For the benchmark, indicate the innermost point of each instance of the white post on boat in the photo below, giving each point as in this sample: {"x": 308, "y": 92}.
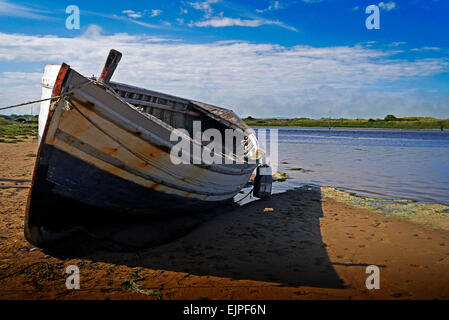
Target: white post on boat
{"x": 48, "y": 81}
{"x": 110, "y": 65}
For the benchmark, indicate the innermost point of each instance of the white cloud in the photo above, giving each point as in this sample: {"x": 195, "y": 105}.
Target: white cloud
{"x": 397, "y": 43}
{"x": 274, "y": 5}
{"x": 132, "y": 14}
{"x": 137, "y": 15}
{"x": 93, "y": 31}
{"x": 387, "y": 6}
{"x": 155, "y": 12}
{"x": 426, "y": 49}
{"x": 219, "y": 22}
{"x": 204, "y": 6}
{"x": 14, "y": 78}
{"x": 14, "y": 84}
{"x": 253, "y": 79}
{"x": 126, "y": 19}
{"x": 15, "y": 95}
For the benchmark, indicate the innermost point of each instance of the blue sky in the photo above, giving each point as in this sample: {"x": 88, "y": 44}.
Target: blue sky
{"x": 262, "y": 58}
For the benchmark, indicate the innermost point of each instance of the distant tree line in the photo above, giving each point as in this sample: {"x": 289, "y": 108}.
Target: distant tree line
{"x": 390, "y": 121}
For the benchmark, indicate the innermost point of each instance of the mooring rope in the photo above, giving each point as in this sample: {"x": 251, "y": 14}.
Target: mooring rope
{"x": 51, "y": 98}
{"x": 31, "y": 102}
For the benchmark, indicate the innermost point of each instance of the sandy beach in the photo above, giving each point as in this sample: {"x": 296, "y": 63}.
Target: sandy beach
{"x": 307, "y": 243}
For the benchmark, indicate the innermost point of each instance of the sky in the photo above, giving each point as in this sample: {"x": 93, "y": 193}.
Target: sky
{"x": 292, "y": 58}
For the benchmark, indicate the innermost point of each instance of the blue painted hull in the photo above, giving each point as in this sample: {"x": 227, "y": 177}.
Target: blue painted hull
{"x": 66, "y": 187}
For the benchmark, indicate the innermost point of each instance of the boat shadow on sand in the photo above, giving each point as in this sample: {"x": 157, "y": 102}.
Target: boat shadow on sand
{"x": 251, "y": 242}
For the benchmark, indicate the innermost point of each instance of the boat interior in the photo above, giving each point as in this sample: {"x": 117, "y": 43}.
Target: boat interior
{"x": 180, "y": 113}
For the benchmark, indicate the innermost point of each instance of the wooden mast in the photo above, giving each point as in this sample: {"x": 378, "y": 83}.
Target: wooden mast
{"x": 110, "y": 65}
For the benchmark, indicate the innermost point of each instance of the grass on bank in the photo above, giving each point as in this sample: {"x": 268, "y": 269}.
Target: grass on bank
{"x": 13, "y": 131}
{"x": 389, "y": 122}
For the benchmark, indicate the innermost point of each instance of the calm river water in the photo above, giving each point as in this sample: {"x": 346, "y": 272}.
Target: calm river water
{"x": 381, "y": 163}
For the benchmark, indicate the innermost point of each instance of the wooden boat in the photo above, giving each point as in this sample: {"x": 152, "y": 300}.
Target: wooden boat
{"x": 107, "y": 146}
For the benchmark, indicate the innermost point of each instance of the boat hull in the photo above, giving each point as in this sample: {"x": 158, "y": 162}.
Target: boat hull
{"x": 100, "y": 152}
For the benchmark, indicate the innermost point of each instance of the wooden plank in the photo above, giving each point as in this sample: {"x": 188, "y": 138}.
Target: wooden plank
{"x": 159, "y": 106}
{"x": 133, "y": 89}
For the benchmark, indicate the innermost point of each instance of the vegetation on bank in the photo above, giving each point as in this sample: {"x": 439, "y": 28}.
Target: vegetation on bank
{"x": 15, "y": 131}
{"x": 389, "y": 122}
{"x": 432, "y": 215}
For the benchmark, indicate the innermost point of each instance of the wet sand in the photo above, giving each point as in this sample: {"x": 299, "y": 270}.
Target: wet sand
{"x": 301, "y": 244}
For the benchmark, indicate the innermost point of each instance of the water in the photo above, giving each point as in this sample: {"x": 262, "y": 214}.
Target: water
{"x": 391, "y": 164}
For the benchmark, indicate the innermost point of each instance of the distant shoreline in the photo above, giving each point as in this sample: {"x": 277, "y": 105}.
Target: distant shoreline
{"x": 389, "y": 122}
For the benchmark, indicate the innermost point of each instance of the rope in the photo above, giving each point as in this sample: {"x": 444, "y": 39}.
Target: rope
{"x": 55, "y": 97}
{"x": 31, "y": 102}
